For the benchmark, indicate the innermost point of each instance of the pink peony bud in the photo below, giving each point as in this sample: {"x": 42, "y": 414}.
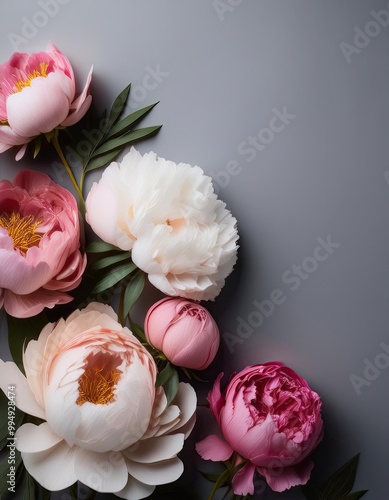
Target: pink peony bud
{"x": 184, "y": 331}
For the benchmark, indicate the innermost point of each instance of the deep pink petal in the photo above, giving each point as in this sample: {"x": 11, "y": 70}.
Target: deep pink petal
{"x": 243, "y": 480}
{"x": 215, "y": 398}
{"x": 214, "y": 448}
{"x": 281, "y": 479}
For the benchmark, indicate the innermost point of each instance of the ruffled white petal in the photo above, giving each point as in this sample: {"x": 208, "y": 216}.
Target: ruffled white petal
{"x": 156, "y": 473}
{"x": 103, "y": 472}
{"x": 54, "y": 468}
{"x": 36, "y": 438}
{"x": 155, "y": 449}
{"x": 135, "y": 490}
{"x": 10, "y": 375}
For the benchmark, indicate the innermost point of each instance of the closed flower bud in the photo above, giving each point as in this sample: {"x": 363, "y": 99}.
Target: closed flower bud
{"x": 184, "y": 331}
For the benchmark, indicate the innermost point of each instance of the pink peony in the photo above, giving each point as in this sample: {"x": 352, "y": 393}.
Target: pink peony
{"x": 105, "y": 423}
{"x": 184, "y": 331}
{"x": 37, "y": 94}
{"x": 270, "y": 419}
{"x": 40, "y": 256}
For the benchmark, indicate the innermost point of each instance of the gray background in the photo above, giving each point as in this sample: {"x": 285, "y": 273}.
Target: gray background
{"x": 222, "y": 72}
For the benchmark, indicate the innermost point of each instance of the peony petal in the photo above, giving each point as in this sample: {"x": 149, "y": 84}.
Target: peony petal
{"x": 215, "y": 398}
{"x": 101, "y": 212}
{"x": 40, "y": 107}
{"x": 54, "y": 468}
{"x": 163, "y": 472}
{"x": 135, "y": 490}
{"x": 243, "y": 480}
{"x": 10, "y": 375}
{"x": 214, "y": 448}
{"x": 9, "y": 137}
{"x": 25, "y": 306}
{"x": 282, "y": 478}
{"x": 36, "y": 438}
{"x": 186, "y": 400}
{"x": 155, "y": 449}
{"x": 103, "y": 472}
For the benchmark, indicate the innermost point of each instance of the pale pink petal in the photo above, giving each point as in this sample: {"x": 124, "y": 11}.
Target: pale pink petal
{"x": 25, "y": 306}
{"x": 135, "y": 490}
{"x": 21, "y": 152}
{"x": 77, "y": 115}
{"x": 81, "y": 104}
{"x": 156, "y": 473}
{"x": 54, "y": 468}
{"x": 243, "y": 480}
{"x": 62, "y": 63}
{"x": 40, "y": 107}
{"x": 103, "y": 472}
{"x": 101, "y": 212}
{"x": 214, "y": 448}
{"x": 281, "y": 479}
{"x": 36, "y": 438}
{"x": 10, "y": 375}
{"x": 155, "y": 449}
{"x": 17, "y": 275}
{"x": 9, "y": 137}
{"x": 34, "y": 356}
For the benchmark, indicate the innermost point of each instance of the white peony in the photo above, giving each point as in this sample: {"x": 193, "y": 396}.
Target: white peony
{"x": 168, "y": 215}
{"x": 105, "y": 423}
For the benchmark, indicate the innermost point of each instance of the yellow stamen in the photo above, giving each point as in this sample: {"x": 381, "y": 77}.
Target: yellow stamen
{"x": 26, "y": 83}
{"x": 97, "y": 383}
{"x": 22, "y": 230}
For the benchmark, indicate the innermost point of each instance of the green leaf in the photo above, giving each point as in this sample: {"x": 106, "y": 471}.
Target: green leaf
{"x": 109, "y": 261}
{"x": 102, "y": 160}
{"x": 355, "y": 496}
{"x": 100, "y": 247}
{"x": 114, "y": 276}
{"x": 311, "y": 491}
{"x": 138, "y": 332}
{"x": 28, "y": 487}
{"x": 168, "y": 379}
{"x": 21, "y": 331}
{"x": 46, "y": 494}
{"x": 124, "y": 140}
{"x": 124, "y": 125}
{"x": 5, "y": 419}
{"x": 5, "y": 468}
{"x": 211, "y": 476}
{"x": 133, "y": 291}
{"x": 341, "y": 481}
{"x": 37, "y": 146}
{"x": 118, "y": 106}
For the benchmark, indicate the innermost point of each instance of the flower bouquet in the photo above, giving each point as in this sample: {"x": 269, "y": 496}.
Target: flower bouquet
{"x": 97, "y": 401}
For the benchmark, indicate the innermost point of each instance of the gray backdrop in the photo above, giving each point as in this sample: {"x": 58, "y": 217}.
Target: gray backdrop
{"x": 285, "y": 105}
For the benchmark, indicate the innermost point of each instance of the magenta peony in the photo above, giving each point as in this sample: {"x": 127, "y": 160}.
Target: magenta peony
{"x": 184, "y": 331}
{"x": 40, "y": 257}
{"x": 37, "y": 94}
{"x": 270, "y": 420}
{"x": 105, "y": 423}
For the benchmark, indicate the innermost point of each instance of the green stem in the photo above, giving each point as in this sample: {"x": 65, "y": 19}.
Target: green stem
{"x": 58, "y": 148}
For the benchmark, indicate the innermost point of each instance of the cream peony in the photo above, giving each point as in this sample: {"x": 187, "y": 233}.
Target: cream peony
{"x": 168, "y": 215}
{"x": 105, "y": 423}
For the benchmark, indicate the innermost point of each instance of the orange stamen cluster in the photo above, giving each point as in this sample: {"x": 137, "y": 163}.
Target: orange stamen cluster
{"x": 96, "y": 385}
{"x": 22, "y": 230}
{"x": 26, "y": 83}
